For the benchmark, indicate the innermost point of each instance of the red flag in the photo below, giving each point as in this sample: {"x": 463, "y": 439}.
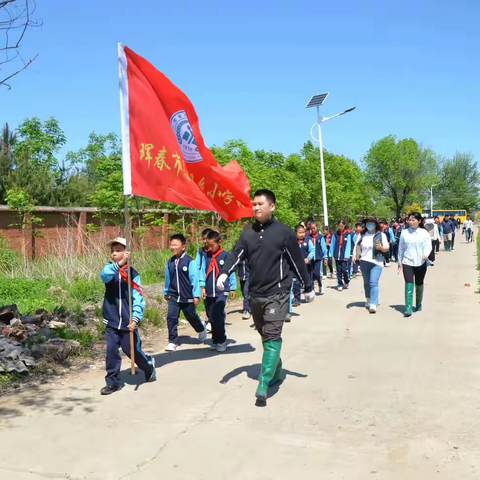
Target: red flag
{"x": 163, "y": 153}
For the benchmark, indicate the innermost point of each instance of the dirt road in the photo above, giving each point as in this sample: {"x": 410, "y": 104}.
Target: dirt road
{"x": 376, "y": 397}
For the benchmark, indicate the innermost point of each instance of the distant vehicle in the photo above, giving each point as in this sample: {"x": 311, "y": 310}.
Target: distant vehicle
{"x": 456, "y": 213}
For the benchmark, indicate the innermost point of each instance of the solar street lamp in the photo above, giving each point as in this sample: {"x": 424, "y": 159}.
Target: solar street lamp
{"x": 317, "y": 101}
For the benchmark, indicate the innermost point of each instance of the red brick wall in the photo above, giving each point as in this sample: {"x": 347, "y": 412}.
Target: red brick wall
{"x": 72, "y": 233}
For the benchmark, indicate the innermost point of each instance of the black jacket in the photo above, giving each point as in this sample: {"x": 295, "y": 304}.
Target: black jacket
{"x": 273, "y": 258}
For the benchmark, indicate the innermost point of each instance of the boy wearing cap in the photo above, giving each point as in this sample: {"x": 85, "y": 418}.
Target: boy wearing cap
{"x": 116, "y": 316}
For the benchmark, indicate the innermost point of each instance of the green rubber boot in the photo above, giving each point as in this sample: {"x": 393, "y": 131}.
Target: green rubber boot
{"x": 419, "y": 297}
{"x": 408, "y": 299}
{"x": 278, "y": 373}
{"x": 270, "y": 360}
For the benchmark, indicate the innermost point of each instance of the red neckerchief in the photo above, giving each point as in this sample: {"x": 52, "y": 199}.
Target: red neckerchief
{"x": 213, "y": 263}
{"x": 384, "y": 228}
{"x": 124, "y": 275}
{"x": 313, "y": 236}
{"x": 328, "y": 239}
{"x": 341, "y": 238}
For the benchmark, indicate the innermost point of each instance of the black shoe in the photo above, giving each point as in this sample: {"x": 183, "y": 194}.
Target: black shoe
{"x": 296, "y": 304}
{"x": 288, "y": 317}
{"x": 153, "y": 375}
{"x": 109, "y": 389}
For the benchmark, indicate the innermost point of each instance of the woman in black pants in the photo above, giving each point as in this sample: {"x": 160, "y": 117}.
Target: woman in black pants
{"x": 414, "y": 248}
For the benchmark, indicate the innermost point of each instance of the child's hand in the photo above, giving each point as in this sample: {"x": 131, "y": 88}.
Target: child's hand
{"x": 196, "y": 301}
{"x": 307, "y": 260}
{"x": 232, "y": 294}
{"x": 126, "y": 256}
{"x": 132, "y": 326}
{"x": 165, "y": 297}
{"x": 204, "y": 294}
{"x": 325, "y": 261}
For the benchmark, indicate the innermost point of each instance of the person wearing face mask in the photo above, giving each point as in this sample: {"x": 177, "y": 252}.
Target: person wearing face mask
{"x": 413, "y": 251}
{"x": 369, "y": 251}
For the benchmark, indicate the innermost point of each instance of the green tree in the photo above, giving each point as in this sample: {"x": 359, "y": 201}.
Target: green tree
{"x": 399, "y": 169}
{"x": 458, "y": 183}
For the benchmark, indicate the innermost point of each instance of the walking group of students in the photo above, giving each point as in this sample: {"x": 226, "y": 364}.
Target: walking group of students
{"x": 275, "y": 265}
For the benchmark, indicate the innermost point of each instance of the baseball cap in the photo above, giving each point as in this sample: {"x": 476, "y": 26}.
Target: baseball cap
{"x": 119, "y": 240}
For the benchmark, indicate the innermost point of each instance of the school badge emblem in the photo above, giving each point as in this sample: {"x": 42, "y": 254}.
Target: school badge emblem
{"x": 184, "y": 134}
{"x": 184, "y": 269}
{"x": 222, "y": 262}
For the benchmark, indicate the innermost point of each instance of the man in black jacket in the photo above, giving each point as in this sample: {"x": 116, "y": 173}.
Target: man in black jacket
{"x": 273, "y": 259}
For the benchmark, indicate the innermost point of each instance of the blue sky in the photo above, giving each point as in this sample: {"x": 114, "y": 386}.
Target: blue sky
{"x": 411, "y": 68}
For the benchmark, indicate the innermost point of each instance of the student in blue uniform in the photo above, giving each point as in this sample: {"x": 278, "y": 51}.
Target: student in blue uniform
{"x": 308, "y": 253}
{"x": 340, "y": 250}
{"x": 243, "y": 275}
{"x": 182, "y": 291}
{"x": 116, "y": 316}
{"x": 216, "y": 300}
{"x": 199, "y": 261}
{"x": 327, "y": 235}
{"x": 397, "y": 233}
{"x": 389, "y": 234}
{"x": 359, "y": 229}
{"x": 319, "y": 255}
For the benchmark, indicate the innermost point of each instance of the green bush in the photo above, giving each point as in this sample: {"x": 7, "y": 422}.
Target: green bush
{"x": 153, "y": 315}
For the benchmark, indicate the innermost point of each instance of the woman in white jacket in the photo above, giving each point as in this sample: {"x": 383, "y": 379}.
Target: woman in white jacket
{"x": 413, "y": 250}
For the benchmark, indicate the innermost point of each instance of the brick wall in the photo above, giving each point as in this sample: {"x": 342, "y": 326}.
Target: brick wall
{"x": 76, "y": 232}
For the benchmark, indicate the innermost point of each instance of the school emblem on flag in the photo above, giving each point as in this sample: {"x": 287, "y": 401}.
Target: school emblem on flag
{"x": 183, "y": 131}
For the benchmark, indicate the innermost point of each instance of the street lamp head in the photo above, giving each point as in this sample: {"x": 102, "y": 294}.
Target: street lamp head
{"x": 349, "y": 109}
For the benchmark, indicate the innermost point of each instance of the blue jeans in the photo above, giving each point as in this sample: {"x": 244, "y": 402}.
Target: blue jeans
{"x": 371, "y": 276}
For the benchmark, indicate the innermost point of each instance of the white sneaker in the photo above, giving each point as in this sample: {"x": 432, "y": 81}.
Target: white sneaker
{"x": 321, "y": 290}
{"x": 221, "y": 347}
{"x": 202, "y": 336}
{"x": 372, "y": 309}
{"x": 387, "y": 264}
{"x": 346, "y": 286}
{"x": 246, "y": 315}
{"x": 208, "y": 327}
{"x": 171, "y": 347}
{"x": 339, "y": 289}
{"x": 324, "y": 276}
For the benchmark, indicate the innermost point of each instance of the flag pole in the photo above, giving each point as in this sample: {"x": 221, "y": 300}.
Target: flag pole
{"x": 129, "y": 279}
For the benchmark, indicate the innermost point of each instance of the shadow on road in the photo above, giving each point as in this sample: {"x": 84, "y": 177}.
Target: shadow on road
{"x": 398, "y": 308}
{"x": 356, "y": 305}
{"x": 40, "y": 398}
{"x": 163, "y": 359}
{"x": 253, "y": 371}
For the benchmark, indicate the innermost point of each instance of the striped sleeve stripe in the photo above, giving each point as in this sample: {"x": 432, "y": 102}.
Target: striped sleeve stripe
{"x": 295, "y": 265}
{"x": 236, "y": 263}
{"x": 116, "y": 266}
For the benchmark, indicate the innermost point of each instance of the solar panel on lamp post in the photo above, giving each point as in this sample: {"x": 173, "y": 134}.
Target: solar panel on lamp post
{"x": 317, "y": 101}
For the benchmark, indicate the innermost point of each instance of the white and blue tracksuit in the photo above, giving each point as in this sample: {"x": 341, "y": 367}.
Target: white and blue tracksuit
{"x": 116, "y": 316}
{"x": 217, "y": 299}
{"x": 341, "y": 250}
{"x": 315, "y": 267}
{"x": 182, "y": 285}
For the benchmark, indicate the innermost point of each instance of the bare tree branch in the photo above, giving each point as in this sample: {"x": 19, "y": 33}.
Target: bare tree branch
{"x": 3, "y": 82}
{"x": 15, "y": 19}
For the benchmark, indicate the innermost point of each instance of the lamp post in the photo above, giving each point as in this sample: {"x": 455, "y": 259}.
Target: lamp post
{"x": 431, "y": 198}
{"x": 317, "y": 101}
